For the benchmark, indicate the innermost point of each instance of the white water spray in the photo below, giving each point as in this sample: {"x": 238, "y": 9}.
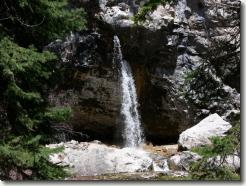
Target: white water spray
{"x": 132, "y": 133}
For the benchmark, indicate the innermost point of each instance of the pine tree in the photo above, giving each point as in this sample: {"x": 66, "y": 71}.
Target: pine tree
{"x": 25, "y": 74}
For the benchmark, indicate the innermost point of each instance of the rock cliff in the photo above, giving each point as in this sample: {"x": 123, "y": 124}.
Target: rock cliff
{"x": 163, "y": 50}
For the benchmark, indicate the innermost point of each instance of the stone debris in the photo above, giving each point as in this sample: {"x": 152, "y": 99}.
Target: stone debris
{"x": 182, "y": 160}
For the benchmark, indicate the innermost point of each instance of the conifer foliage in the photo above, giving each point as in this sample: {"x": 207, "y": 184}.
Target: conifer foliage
{"x": 213, "y": 164}
{"x": 26, "y": 26}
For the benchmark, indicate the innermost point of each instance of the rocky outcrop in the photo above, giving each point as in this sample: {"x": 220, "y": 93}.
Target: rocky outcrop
{"x": 95, "y": 158}
{"x": 153, "y": 61}
{"x": 163, "y": 16}
{"x": 85, "y": 160}
{"x": 163, "y": 52}
{"x": 89, "y": 85}
{"x": 199, "y": 134}
{"x": 170, "y": 45}
{"x": 115, "y": 13}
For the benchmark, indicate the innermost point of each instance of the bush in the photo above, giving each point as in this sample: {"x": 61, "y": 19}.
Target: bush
{"x": 147, "y": 7}
{"x": 209, "y": 167}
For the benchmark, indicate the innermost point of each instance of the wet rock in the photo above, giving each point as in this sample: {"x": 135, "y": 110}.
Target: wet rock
{"x": 159, "y": 164}
{"x": 169, "y": 45}
{"x": 183, "y": 160}
{"x": 199, "y": 134}
{"x": 161, "y": 167}
{"x": 94, "y": 94}
{"x": 90, "y": 86}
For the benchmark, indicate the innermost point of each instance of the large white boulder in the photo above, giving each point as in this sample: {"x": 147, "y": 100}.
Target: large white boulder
{"x": 199, "y": 134}
{"x": 93, "y": 158}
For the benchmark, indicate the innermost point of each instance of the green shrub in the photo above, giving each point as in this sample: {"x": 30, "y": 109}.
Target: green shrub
{"x": 58, "y": 114}
{"x": 208, "y": 168}
{"x": 147, "y": 7}
{"x": 23, "y": 73}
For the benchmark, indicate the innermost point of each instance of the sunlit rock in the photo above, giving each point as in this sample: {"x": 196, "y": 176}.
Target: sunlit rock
{"x": 87, "y": 159}
{"x": 199, "y": 134}
{"x": 183, "y": 160}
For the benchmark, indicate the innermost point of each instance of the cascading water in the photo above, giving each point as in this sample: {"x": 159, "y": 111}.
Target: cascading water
{"x": 132, "y": 132}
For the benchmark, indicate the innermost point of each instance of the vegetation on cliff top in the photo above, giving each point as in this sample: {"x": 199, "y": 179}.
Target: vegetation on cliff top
{"x": 25, "y": 74}
{"x": 147, "y": 7}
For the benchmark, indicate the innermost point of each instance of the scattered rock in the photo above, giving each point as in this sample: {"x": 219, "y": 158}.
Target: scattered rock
{"x": 179, "y": 173}
{"x": 163, "y": 150}
{"x": 96, "y": 142}
{"x": 161, "y": 168}
{"x": 232, "y": 162}
{"x": 15, "y": 175}
{"x": 182, "y": 160}
{"x": 27, "y": 172}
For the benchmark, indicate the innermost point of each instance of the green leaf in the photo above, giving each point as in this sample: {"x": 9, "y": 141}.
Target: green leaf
{"x": 58, "y": 114}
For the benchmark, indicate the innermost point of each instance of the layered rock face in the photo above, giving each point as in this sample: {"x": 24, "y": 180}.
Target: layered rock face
{"x": 90, "y": 85}
{"x": 162, "y": 51}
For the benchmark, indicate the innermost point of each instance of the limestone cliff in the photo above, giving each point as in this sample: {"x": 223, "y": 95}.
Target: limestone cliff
{"x": 163, "y": 50}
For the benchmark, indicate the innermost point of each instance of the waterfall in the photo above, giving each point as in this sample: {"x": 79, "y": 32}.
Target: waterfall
{"x": 132, "y": 132}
